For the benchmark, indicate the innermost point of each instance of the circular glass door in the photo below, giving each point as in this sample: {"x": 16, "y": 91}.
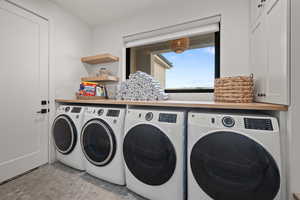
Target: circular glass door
{"x": 64, "y": 134}
{"x": 149, "y": 154}
{"x": 228, "y": 165}
{"x": 98, "y": 142}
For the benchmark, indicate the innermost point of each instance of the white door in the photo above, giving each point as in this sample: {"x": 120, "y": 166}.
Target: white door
{"x": 24, "y": 83}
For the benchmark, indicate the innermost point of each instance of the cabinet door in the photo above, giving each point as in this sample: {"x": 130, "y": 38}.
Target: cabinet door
{"x": 259, "y": 59}
{"x": 277, "y": 90}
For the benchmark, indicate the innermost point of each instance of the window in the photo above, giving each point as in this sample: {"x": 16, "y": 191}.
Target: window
{"x": 192, "y": 71}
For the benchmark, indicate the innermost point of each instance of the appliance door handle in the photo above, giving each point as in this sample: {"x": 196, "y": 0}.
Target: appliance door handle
{"x": 43, "y": 111}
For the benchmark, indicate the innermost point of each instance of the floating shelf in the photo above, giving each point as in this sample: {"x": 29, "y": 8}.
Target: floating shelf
{"x": 100, "y": 79}
{"x": 100, "y": 59}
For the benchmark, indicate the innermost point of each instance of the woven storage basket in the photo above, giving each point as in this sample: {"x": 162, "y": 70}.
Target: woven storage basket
{"x": 239, "y": 89}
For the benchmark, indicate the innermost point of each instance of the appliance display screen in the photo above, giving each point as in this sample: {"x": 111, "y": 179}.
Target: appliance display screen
{"x": 258, "y": 124}
{"x": 113, "y": 113}
{"x": 76, "y": 110}
{"x": 169, "y": 118}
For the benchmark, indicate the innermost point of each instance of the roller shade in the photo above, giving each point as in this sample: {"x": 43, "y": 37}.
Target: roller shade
{"x": 197, "y": 27}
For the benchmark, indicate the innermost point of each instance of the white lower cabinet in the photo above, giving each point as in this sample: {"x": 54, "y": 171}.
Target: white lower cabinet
{"x": 269, "y": 53}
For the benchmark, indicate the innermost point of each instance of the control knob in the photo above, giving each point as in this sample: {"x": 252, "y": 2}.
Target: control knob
{"x": 149, "y": 116}
{"x": 100, "y": 112}
{"x": 67, "y": 109}
{"x": 228, "y": 122}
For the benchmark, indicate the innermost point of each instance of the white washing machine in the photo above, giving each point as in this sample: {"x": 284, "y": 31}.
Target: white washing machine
{"x": 102, "y": 142}
{"x": 66, "y": 129}
{"x": 154, "y": 153}
{"x": 234, "y": 156}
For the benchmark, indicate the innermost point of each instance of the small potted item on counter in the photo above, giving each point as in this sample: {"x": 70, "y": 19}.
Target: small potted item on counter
{"x": 101, "y": 91}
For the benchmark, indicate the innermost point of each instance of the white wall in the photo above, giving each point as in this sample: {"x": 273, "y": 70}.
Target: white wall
{"x": 70, "y": 39}
{"x": 234, "y": 29}
{"x": 294, "y": 110}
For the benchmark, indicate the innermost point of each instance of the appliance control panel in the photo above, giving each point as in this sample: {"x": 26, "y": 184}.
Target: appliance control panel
{"x": 166, "y": 117}
{"x": 94, "y": 111}
{"x": 69, "y": 109}
{"x": 113, "y": 113}
{"x": 258, "y": 124}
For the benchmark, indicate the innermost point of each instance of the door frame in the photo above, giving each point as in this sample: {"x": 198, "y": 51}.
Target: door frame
{"x": 42, "y": 13}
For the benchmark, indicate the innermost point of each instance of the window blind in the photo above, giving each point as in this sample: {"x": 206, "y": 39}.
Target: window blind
{"x": 189, "y": 29}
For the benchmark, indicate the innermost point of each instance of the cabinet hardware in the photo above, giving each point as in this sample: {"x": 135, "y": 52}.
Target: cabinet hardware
{"x": 260, "y": 5}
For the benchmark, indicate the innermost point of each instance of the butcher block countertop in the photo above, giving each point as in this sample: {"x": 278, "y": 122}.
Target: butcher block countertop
{"x": 184, "y": 104}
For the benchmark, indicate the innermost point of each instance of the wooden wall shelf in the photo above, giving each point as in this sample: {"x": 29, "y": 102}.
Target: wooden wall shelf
{"x": 184, "y": 104}
{"x": 100, "y": 79}
{"x": 100, "y": 59}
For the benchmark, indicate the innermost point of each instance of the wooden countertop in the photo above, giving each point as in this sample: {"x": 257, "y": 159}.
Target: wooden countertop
{"x": 184, "y": 104}
{"x": 297, "y": 196}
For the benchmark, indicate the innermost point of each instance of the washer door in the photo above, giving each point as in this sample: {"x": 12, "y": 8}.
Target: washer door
{"x": 228, "y": 165}
{"x": 98, "y": 142}
{"x": 64, "y": 134}
{"x": 149, "y": 154}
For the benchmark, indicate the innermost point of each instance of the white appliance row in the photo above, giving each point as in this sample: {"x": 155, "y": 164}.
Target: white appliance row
{"x": 171, "y": 155}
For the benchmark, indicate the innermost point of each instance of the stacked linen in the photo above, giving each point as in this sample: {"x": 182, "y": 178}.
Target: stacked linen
{"x": 141, "y": 87}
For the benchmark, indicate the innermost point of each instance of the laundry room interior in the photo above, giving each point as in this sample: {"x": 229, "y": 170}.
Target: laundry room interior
{"x": 145, "y": 99}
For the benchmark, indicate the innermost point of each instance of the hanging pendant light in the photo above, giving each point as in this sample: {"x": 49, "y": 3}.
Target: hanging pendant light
{"x": 180, "y": 45}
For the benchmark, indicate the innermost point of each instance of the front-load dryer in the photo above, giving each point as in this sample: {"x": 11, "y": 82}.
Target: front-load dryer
{"x": 234, "y": 156}
{"x": 102, "y": 142}
{"x": 154, "y": 153}
{"x": 66, "y": 129}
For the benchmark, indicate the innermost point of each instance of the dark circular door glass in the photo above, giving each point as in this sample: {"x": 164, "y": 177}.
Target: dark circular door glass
{"x": 149, "y": 154}
{"x": 228, "y": 165}
{"x": 98, "y": 142}
{"x": 64, "y": 134}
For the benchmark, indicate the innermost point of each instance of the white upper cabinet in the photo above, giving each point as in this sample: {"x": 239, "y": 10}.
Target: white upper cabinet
{"x": 269, "y": 52}
{"x": 278, "y": 63}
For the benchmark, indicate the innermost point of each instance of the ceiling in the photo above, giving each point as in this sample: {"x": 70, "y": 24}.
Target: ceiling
{"x": 95, "y": 12}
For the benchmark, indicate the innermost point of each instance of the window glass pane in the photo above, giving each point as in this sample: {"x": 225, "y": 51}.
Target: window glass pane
{"x": 192, "y": 69}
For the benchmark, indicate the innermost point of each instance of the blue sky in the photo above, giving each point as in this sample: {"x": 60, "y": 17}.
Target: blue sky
{"x": 192, "y": 68}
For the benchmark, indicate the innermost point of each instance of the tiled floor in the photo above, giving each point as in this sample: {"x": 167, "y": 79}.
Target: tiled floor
{"x": 58, "y": 182}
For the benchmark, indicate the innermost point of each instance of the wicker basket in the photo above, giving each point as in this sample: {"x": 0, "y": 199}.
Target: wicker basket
{"x": 238, "y": 89}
